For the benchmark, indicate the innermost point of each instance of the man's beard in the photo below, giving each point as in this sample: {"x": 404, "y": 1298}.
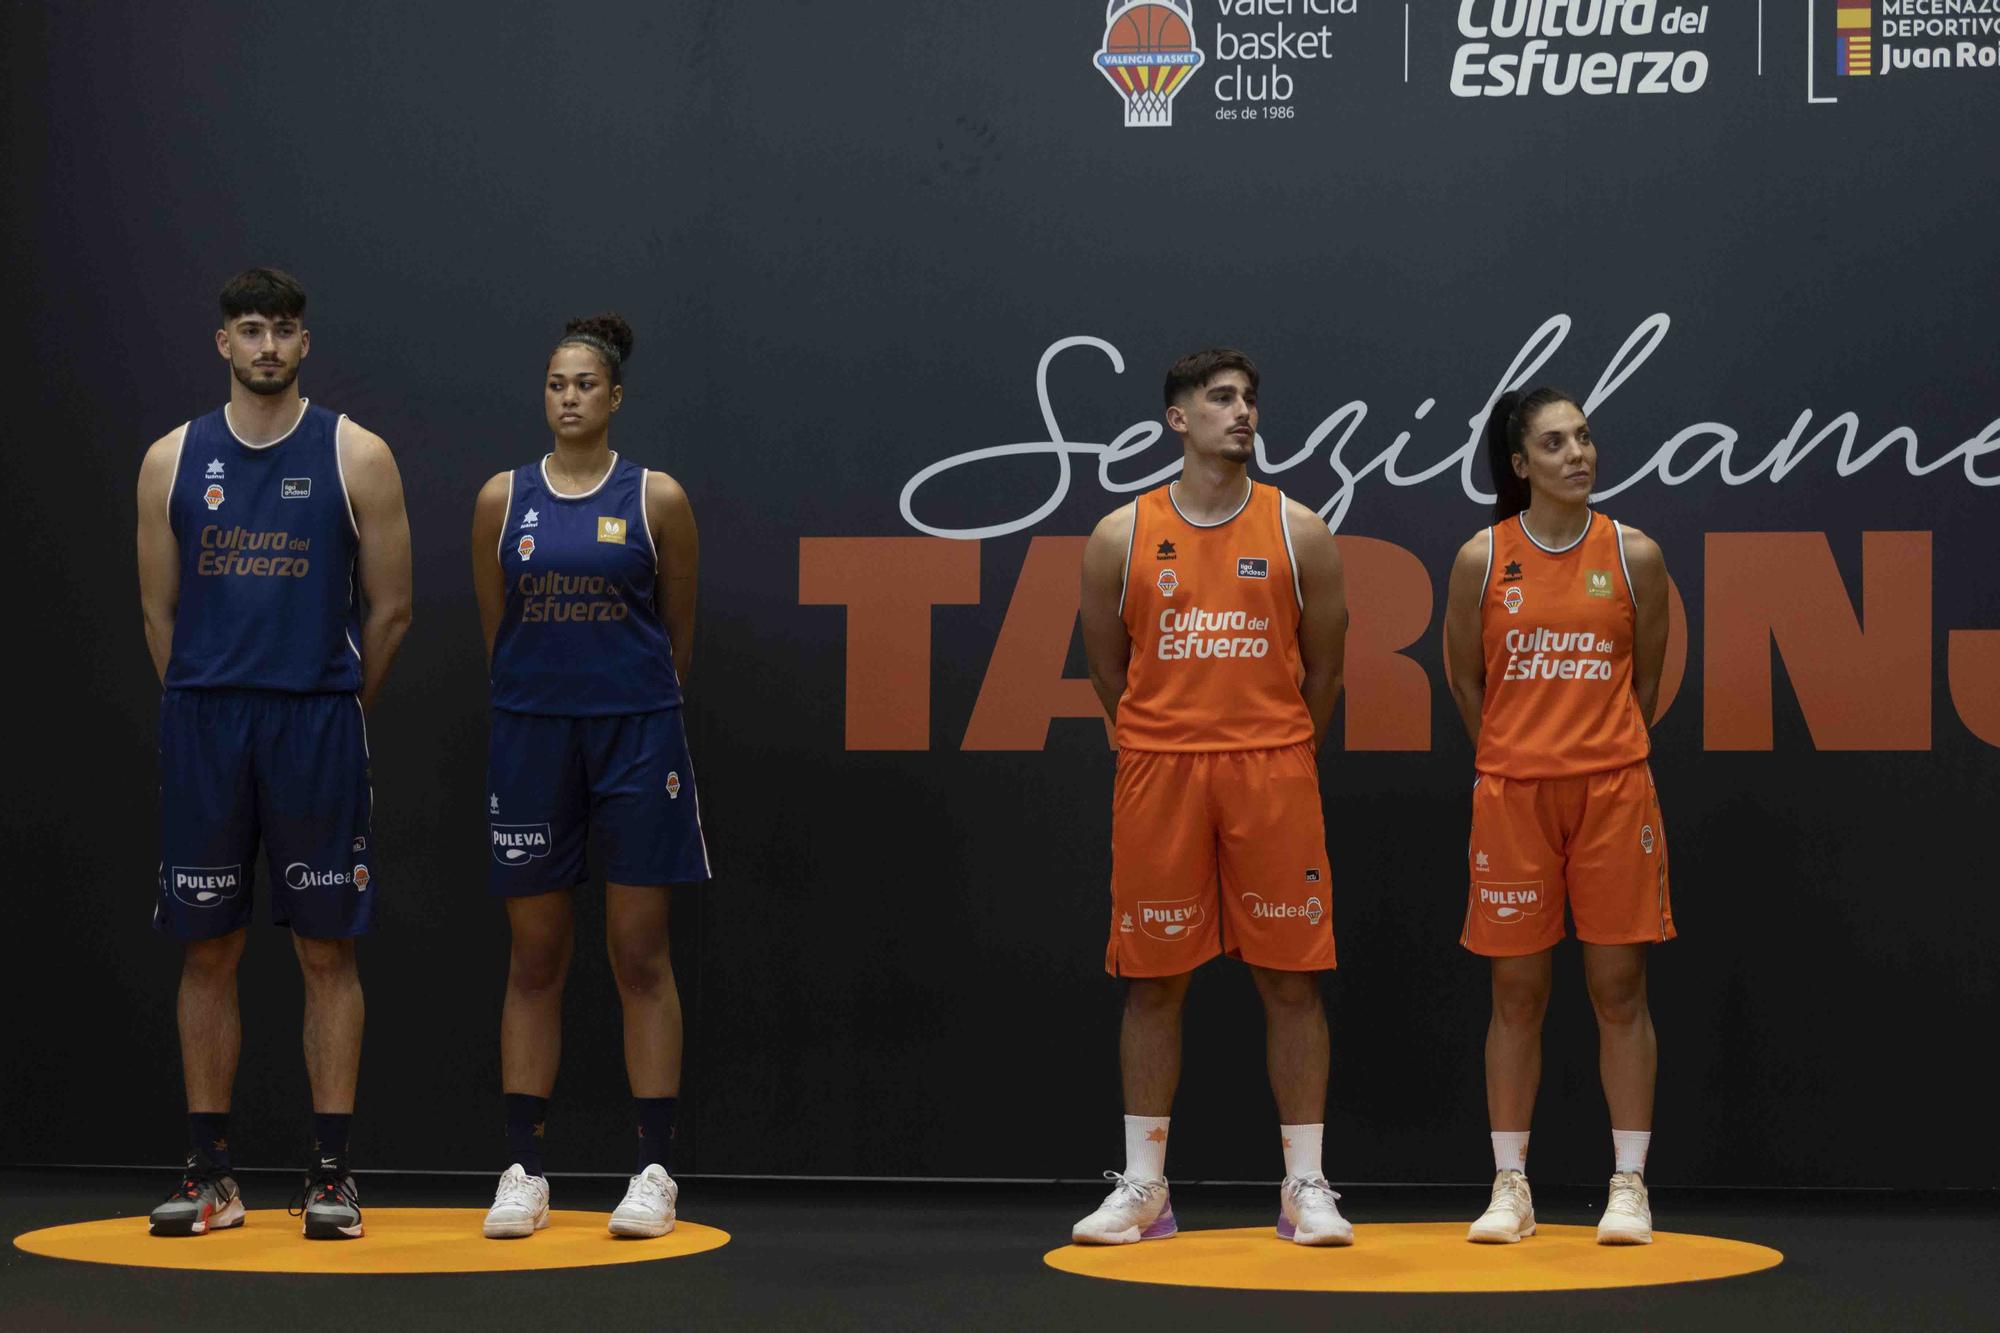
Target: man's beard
{"x": 265, "y": 387}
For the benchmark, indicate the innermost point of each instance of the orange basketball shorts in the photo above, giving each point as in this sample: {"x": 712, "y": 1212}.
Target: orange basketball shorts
{"x": 1214, "y": 852}
{"x": 1594, "y": 841}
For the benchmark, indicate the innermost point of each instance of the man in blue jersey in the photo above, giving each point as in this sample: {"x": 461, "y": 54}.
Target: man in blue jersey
{"x": 274, "y": 573}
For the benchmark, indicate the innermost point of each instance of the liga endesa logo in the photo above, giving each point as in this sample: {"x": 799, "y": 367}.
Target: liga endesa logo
{"x": 1148, "y": 55}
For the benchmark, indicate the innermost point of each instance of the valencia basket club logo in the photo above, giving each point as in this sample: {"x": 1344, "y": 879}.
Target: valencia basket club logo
{"x": 1148, "y": 55}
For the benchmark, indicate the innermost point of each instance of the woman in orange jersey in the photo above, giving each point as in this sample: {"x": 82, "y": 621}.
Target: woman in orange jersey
{"x": 1556, "y": 631}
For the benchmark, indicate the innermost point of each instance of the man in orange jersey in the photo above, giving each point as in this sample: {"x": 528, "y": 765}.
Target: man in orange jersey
{"x": 1215, "y": 622}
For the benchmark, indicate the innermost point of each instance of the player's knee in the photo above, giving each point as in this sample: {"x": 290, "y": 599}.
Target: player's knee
{"x": 1520, "y": 1004}
{"x": 1289, "y": 992}
{"x": 326, "y": 962}
{"x": 641, "y": 973}
{"x": 1155, "y": 996}
{"x": 1619, "y": 1002}
{"x": 212, "y": 962}
{"x": 537, "y": 968}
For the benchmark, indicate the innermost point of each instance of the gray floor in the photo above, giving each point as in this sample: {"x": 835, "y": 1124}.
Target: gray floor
{"x": 928, "y": 1256}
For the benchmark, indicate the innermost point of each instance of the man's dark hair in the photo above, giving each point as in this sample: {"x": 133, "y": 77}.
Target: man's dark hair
{"x": 1193, "y": 371}
{"x": 263, "y": 291}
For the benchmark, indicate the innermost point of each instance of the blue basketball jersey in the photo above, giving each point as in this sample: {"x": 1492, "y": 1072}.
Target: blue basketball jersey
{"x": 581, "y": 635}
{"x": 267, "y": 544}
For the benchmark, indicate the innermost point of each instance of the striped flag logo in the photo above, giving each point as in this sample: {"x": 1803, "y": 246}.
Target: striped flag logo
{"x": 1854, "y": 25}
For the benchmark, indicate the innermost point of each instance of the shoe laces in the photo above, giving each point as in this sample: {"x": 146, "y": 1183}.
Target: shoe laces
{"x": 648, "y": 1185}
{"x": 1628, "y": 1193}
{"x": 1135, "y": 1188}
{"x": 1511, "y": 1186}
{"x": 515, "y": 1187}
{"x": 325, "y": 1187}
{"x": 195, "y": 1177}
{"x": 1314, "y": 1187}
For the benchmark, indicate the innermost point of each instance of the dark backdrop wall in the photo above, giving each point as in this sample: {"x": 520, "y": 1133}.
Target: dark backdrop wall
{"x": 848, "y": 236}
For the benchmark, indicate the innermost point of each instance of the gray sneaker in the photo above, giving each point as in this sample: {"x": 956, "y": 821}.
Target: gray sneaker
{"x": 205, "y": 1201}
{"x": 330, "y": 1206}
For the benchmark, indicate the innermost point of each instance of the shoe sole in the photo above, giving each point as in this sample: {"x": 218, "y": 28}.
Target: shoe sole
{"x": 1163, "y": 1227}
{"x": 640, "y": 1230}
{"x": 224, "y": 1218}
{"x": 1624, "y": 1238}
{"x": 325, "y": 1231}
{"x": 516, "y": 1230}
{"x": 1500, "y": 1237}
{"x": 1287, "y": 1230}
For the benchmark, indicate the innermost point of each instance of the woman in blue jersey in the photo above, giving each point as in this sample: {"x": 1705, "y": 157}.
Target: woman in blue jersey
{"x": 584, "y": 563}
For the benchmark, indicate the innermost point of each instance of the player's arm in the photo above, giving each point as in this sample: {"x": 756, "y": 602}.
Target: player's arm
{"x": 489, "y": 581}
{"x": 1464, "y": 648}
{"x": 159, "y": 553}
{"x": 671, "y": 519}
{"x": 1649, "y": 622}
{"x": 1105, "y": 642}
{"x": 375, "y": 489}
{"x": 1323, "y": 615}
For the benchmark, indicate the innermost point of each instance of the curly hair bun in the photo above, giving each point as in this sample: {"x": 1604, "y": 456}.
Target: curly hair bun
{"x": 606, "y": 328}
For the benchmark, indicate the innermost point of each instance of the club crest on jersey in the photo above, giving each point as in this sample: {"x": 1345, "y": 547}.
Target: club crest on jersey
{"x": 526, "y": 546}
{"x": 214, "y": 472}
{"x": 518, "y": 844}
{"x": 1505, "y": 903}
{"x": 1252, "y": 567}
{"x": 1172, "y": 921}
{"x": 1168, "y": 581}
{"x": 1646, "y": 839}
{"x": 1597, "y": 582}
{"x": 611, "y": 530}
{"x": 674, "y": 786}
{"x": 1166, "y": 551}
{"x": 213, "y": 495}
{"x": 296, "y": 488}
{"x": 531, "y": 519}
{"x": 361, "y": 878}
{"x": 1513, "y": 599}
{"x": 205, "y": 886}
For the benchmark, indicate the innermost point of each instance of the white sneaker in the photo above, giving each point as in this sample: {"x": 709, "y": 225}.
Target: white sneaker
{"x": 1509, "y": 1216}
{"x": 1308, "y": 1214}
{"x": 1136, "y": 1209}
{"x": 520, "y": 1205}
{"x": 1628, "y": 1215}
{"x": 648, "y": 1209}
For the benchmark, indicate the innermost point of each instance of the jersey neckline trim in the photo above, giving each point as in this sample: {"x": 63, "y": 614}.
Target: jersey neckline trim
{"x": 550, "y": 486}
{"x": 1522, "y": 519}
{"x": 1250, "y": 490}
{"x": 305, "y": 404}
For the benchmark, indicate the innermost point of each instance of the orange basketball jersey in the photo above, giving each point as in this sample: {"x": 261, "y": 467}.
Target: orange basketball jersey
{"x": 1213, "y": 611}
{"x": 1557, "y": 631}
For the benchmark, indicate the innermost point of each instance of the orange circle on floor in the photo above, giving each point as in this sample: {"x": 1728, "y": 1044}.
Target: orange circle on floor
{"x": 1413, "y": 1257}
{"x": 399, "y": 1240}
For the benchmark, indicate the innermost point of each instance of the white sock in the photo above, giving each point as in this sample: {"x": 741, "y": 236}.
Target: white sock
{"x": 1510, "y": 1150}
{"x": 1629, "y": 1147}
{"x": 1146, "y": 1147}
{"x": 1301, "y": 1148}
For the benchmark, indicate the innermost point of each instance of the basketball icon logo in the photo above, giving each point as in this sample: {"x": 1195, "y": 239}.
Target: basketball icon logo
{"x": 1513, "y": 598}
{"x": 1148, "y": 54}
{"x": 213, "y": 495}
{"x": 1168, "y": 581}
{"x": 526, "y": 546}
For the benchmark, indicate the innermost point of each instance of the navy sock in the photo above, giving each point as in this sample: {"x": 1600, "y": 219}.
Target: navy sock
{"x": 656, "y": 1132}
{"x": 330, "y": 1139}
{"x": 527, "y": 1122}
{"x": 208, "y": 1136}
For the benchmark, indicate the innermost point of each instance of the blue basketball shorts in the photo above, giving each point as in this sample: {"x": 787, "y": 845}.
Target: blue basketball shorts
{"x": 552, "y": 780}
{"x": 290, "y": 771}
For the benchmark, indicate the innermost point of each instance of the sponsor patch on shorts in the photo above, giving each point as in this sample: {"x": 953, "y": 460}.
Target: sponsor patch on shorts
{"x": 1506, "y": 902}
